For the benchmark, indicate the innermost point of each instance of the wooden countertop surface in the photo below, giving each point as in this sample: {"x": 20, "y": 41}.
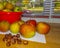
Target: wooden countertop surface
{"x": 53, "y": 40}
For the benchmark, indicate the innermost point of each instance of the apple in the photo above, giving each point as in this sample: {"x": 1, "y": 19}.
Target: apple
{"x": 9, "y": 6}
{"x": 14, "y": 28}
{"x": 21, "y": 22}
{"x": 27, "y": 30}
{"x": 17, "y": 9}
{"x": 13, "y": 1}
{"x": 1, "y": 6}
{"x": 32, "y": 22}
{"x": 43, "y": 27}
{"x": 4, "y": 3}
{"x": 7, "y": 10}
{"x": 4, "y": 26}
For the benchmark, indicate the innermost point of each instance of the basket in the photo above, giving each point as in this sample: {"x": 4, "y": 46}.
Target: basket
{"x": 10, "y": 16}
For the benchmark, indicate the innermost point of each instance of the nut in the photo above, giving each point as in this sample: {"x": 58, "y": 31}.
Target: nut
{"x": 14, "y": 37}
{"x": 25, "y": 42}
{"x": 18, "y": 35}
{"x": 6, "y": 35}
{"x": 9, "y": 36}
{"x": 8, "y": 44}
{"x": 13, "y": 41}
{"x": 19, "y": 41}
{"x": 5, "y": 39}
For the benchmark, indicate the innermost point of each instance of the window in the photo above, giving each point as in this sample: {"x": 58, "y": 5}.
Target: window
{"x": 35, "y": 6}
{"x": 57, "y": 7}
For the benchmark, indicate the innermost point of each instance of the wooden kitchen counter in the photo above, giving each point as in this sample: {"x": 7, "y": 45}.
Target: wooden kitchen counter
{"x": 52, "y": 39}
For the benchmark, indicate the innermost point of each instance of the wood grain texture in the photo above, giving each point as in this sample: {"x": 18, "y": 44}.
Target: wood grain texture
{"x": 52, "y": 38}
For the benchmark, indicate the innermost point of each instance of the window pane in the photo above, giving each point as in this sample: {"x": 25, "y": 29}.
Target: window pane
{"x": 57, "y": 7}
{"x": 33, "y": 5}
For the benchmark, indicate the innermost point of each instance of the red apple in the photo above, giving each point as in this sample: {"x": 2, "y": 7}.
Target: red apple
{"x": 27, "y": 30}
{"x": 43, "y": 27}
{"x": 32, "y": 22}
{"x": 4, "y": 26}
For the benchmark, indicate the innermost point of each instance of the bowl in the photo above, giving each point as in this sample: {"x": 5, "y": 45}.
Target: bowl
{"x": 10, "y": 16}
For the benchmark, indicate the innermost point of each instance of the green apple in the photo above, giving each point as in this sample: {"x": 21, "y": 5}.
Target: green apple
{"x": 21, "y": 22}
{"x": 4, "y": 3}
{"x": 1, "y": 6}
{"x": 17, "y": 9}
{"x": 7, "y": 10}
{"x": 14, "y": 28}
{"x": 14, "y": 1}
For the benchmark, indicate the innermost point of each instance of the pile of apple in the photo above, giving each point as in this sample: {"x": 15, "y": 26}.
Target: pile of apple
{"x": 9, "y": 7}
{"x": 26, "y": 28}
